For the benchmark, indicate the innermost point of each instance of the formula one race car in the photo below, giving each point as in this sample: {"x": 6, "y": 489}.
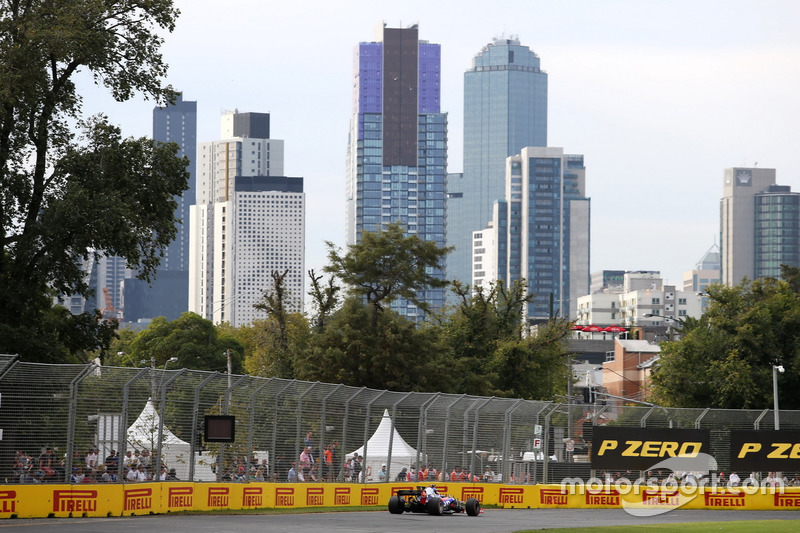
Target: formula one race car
{"x": 420, "y": 500}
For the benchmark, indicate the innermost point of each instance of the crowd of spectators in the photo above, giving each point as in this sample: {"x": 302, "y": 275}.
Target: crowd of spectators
{"x": 49, "y": 468}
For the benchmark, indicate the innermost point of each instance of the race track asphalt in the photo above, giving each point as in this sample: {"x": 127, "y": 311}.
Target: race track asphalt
{"x": 491, "y": 521}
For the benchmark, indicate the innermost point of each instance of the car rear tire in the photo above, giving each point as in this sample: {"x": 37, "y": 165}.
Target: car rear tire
{"x": 435, "y": 506}
{"x": 396, "y": 505}
{"x": 473, "y": 507}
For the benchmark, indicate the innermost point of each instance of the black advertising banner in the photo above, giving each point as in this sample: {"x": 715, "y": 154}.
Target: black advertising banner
{"x": 621, "y": 448}
{"x": 766, "y": 451}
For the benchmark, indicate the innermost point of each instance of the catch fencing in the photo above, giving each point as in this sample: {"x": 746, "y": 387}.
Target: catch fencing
{"x": 52, "y": 416}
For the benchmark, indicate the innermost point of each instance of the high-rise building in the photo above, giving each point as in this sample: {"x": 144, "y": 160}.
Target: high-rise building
{"x": 705, "y": 272}
{"x": 505, "y": 110}
{"x": 545, "y": 232}
{"x": 248, "y": 223}
{"x": 168, "y": 295}
{"x": 760, "y": 225}
{"x": 397, "y": 149}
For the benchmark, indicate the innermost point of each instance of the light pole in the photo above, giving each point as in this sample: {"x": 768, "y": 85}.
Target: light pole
{"x": 670, "y": 320}
{"x": 775, "y": 370}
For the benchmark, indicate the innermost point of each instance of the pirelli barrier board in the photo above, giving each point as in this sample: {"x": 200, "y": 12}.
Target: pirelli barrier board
{"x": 624, "y": 448}
{"x": 768, "y": 451}
{"x": 32, "y": 501}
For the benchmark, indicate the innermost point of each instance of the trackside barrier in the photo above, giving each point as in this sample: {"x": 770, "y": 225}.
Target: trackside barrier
{"x": 41, "y": 501}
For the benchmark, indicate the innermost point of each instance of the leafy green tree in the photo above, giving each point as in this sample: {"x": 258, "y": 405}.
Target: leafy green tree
{"x": 192, "y": 339}
{"x": 534, "y": 367}
{"x": 394, "y": 355}
{"x": 64, "y": 198}
{"x": 725, "y": 359}
{"x": 267, "y": 353}
{"x": 476, "y": 328}
{"x": 386, "y": 265}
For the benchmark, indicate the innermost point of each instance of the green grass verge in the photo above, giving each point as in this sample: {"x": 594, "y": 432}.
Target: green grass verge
{"x": 745, "y": 526}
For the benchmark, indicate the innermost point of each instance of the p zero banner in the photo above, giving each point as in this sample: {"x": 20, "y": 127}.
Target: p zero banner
{"x": 765, "y": 450}
{"x": 621, "y": 448}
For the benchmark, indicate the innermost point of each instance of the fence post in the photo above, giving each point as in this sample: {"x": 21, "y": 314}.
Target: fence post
{"x": 699, "y": 418}
{"x": 73, "y": 412}
{"x": 226, "y": 405}
{"x": 366, "y": 433}
{"x": 643, "y": 421}
{"x": 252, "y": 413}
{"x": 447, "y": 426}
{"x": 123, "y": 424}
{"x": 546, "y": 458}
{"x": 323, "y": 429}
{"x": 344, "y": 423}
{"x": 391, "y": 434}
{"x": 274, "y": 444}
{"x": 506, "y": 450}
{"x": 195, "y": 424}
{"x": 299, "y": 436}
{"x": 422, "y": 428}
{"x": 162, "y": 411}
{"x": 475, "y": 435}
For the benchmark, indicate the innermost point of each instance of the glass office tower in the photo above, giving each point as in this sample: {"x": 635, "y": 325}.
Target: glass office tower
{"x": 397, "y": 149}
{"x": 505, "y": 110}
{"x": 168, "y": 295}
{"x": 546, "y": 229}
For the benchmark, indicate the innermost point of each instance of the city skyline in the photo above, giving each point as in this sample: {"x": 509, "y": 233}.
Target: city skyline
{"x": 659, "y": 102}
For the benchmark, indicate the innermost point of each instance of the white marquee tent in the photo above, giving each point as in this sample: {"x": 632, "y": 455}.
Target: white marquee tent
{"x": 143, "y": 434}
{"x": 377, "y": 453}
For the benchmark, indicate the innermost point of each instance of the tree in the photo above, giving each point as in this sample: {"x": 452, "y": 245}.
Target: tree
{"x": 394, "y": 355}
{"x": 325, "y": 299}
{"x": 386, "y": 265}
{"x": 476, "y": 328}
{"x": 535, "y": 367}
{"x": 62, "y": 198}
{"x": 725, "y": 359}
{"x": 267, "y": 352}
{"x": 192, "y": 339}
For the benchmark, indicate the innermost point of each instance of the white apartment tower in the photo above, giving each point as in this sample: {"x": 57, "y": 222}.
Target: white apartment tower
{"x": 248, "y": 222}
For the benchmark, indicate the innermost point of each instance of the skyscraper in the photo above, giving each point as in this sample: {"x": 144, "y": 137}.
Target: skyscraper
{"x": 249, "y": 221}
{"x": 541, "y": 231}
{"x": 397, "y": 149}
{"x": 760, "y": 225}
{"x": 505, "y": 110}
{"x": 168, "y": 295}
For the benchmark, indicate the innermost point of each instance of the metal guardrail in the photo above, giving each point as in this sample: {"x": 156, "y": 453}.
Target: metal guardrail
{"x": 53, "y": 416}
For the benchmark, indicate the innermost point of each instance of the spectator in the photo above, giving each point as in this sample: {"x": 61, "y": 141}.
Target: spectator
{"x": 172, "y": 475}
{"x": 305, "y": 462}
{"x": 455, "y": 475}
{"x": 77, "y": 475}
{"x": 259, "y": 476}
{"x": 347, "y": 470}
{"x": 145, "y": 459}
{"x": 112, "y": 461}
{"x": 433, "y": 474}
{"x": 47, "y": 464}
{"x": 488, "y": 475}
{"x": 327, "y": 463}
{"x": 309, "y": 442}
{"x": 402, "y": 475}
{"x": 291, "y": 476}
{"x": 136, "y": 474}
{"x": 382, "y": 474}
{"x": 357, "y": 467}
{"x": 129, "y": 462}
{"x": 91, "y": 459}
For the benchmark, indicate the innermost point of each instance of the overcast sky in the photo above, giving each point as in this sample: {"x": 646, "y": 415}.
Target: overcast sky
{"x": 659, "y": 96}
